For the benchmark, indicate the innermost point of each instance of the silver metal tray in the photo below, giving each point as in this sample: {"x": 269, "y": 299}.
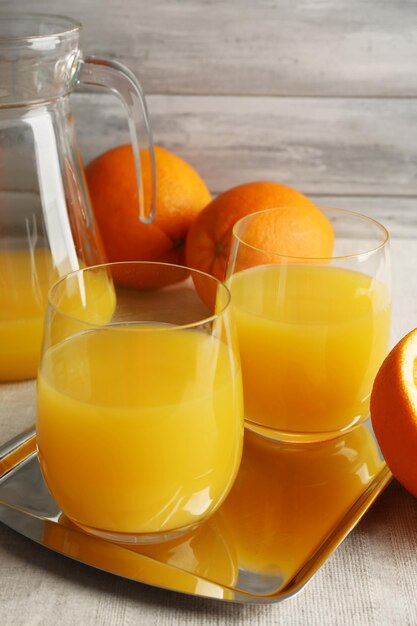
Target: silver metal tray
{"x": 290, "y": 507}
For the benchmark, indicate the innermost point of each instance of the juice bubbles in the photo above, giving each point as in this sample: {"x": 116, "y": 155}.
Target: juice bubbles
{"x": 139, "y": 428}
{"x": 311, "y": 340}
{"x": 24, "y": 282}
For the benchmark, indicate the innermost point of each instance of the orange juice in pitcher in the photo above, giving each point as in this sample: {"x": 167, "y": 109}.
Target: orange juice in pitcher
{"x": 24, "y": 282}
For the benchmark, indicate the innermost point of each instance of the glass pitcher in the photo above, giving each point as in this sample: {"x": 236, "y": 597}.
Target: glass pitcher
{"x": 47, "y": 228}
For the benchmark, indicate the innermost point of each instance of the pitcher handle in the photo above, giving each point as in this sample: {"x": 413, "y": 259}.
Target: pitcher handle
{"x": 121, "y": 81}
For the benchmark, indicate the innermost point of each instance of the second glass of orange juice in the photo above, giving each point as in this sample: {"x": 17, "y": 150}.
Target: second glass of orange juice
{"x": 139, "y": 417}
{"x": 312, "y": 331}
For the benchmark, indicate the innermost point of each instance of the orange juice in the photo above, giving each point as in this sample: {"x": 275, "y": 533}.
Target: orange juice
{"x": 24, "y": 282}
{"x": 139, "y": 428}
{"x": 25, "y": 279}
{"x": 311, "y": 340}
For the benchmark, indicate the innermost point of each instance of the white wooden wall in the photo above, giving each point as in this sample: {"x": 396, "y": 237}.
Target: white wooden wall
{"x": 318, "y": 94}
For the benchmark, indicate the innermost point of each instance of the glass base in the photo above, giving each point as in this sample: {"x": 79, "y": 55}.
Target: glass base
{"x": 136, "y": 539}
{"x": 284, "y": 436}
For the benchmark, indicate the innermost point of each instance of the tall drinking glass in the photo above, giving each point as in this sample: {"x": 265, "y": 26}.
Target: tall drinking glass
{"x": 139, "y": 411}
{"x": 312, "y": 331}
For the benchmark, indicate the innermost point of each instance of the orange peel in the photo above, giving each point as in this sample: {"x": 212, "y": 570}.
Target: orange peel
{"x": 394, "y": 410}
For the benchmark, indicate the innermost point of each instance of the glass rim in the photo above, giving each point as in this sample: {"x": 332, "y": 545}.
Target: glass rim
{"x": 69, "y": 25}
{"x": 117, "y": 325}
{"x": 365, "y": 218}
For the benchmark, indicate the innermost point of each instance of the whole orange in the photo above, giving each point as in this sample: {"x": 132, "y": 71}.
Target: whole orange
{"x": 394, "y": 410}
{"x": 300, "y": 229}
{"x": 181, "y": 195}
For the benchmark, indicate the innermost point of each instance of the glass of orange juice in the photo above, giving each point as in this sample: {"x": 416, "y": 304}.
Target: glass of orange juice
{"x": 312, "y": 331}
{"x": 139, "y": 415}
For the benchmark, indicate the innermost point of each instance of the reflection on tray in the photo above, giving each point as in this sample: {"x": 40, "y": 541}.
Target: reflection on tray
{"x": 287, "y": 500}
{"x": 190, "y": 556}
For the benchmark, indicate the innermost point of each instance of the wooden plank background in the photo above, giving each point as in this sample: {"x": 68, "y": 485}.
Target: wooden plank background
{"x": 318, "y": 94}
{"x": 253, "y": 47}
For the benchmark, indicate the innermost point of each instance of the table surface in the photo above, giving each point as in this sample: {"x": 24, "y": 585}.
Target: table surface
{"x": 370, "y": 579}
